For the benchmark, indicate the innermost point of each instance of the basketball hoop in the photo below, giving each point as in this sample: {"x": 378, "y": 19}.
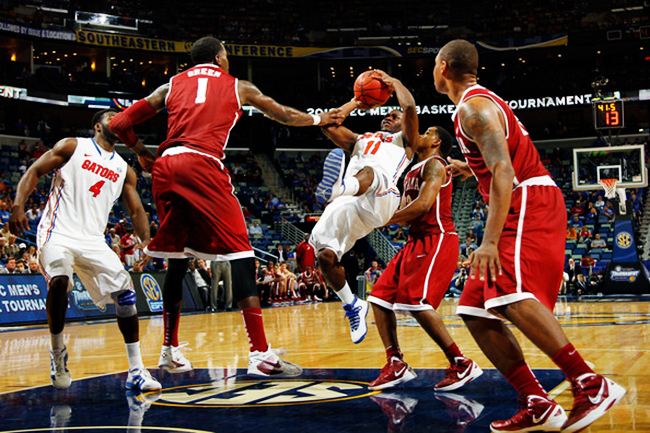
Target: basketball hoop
{"x": 610, "y": 187}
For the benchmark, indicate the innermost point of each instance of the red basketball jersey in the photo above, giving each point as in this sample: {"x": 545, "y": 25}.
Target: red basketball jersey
{"x": 311, "y": 278}
{"x": 438, "y": 219}
{"x": 203, "y": 106}
{"x": 525, "y": 157}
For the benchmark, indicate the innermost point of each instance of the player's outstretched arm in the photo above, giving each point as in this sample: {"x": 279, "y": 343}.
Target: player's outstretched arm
{"x": 122, "y": 124}
{"x": 134, "y": 207}
{"x": 51, "y": 160}
{"x": 481, "y": 120}
{"x": 435, "y": 176}
{"x": 250, "y": 94}
{"x": 340, "y": 135}
{"x": 410, "y": 122}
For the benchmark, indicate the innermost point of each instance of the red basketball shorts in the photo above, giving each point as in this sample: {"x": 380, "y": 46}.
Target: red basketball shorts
{"x": 417, "y": 278}
{"x": 531, "y": 252}
{"x": 199, "y": 213}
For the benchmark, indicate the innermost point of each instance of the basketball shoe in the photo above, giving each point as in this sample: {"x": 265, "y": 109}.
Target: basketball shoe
{"x": 461, "y": 409}
{"x": 535, "y": 414}
{"x": 172, "y": 360}
{"x": 593, "y": 395}
{"x": 329, "y": 188}
{"x": 356, "y": 313}
{"x": 461, "y": 372}
{"x": 270, "y": 364}
{"x": 59, "y": 369}
{"x": 394, "y": 373}
{"x": 139, "y": 403}
{"x": 396, "y": 407}
{"x": 140, "y": 378}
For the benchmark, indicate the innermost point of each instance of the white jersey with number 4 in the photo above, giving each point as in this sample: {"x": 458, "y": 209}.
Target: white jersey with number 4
{"x": 82, "y": 194}
{"x": 383, "y": 151}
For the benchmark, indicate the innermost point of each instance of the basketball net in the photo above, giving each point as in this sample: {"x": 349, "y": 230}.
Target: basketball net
{"x": 610, "y": 192}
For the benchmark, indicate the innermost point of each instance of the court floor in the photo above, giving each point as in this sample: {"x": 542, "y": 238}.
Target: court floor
{"x": 330, "y": 396}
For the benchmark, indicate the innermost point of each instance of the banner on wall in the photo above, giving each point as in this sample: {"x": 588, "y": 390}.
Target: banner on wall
{"x": 38, "y": 33}
{"x": 111, "y": 40}
{"x": 22, "y": 298}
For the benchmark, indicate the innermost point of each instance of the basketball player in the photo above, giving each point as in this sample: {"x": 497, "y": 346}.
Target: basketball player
{"x": 516, "y": 272}
{"x": 199, "y": 213}
{"x": 416, "y": 279}
{"x": 90, "y": 177}
{"x": 311, "y": 285}
{"x": 366, "y": 197}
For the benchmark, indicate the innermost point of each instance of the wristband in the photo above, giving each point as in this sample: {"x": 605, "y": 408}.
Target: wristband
{"x": 316, "y": 118}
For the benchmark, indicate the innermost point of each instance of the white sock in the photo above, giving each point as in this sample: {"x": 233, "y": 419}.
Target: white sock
{"x": 349, "y": 186}
{"x": 57, "y": 342}
{"x": 134, "y": 355}
{"x": 346, "y": 294}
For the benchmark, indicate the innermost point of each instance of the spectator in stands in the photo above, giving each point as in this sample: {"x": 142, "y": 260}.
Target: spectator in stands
{"x": 279, "y": 252}
{"x": 606, "y": 215}
{"x": 4, "y": 251}
{"x": 238, "y": 172}
{"x": 10, "y": 267}
{"x": 576, "y": 223}
{"x": 596, "y": 283}
{"x": 305, "y": 255}
{"x": 255, "y": 229}
{"x": 585, "y": 235}
{"x": 573, "y": 269}
{"x": 20, "y": 267}
{"x": 33, "y": 214}
{"x": 458, "y": 283}
{"x": 464, "y": 249}
{"x": 4, "y": 213}
{"x": 580, "y": 286}
{"x": 13, "y": 249}
{"x": 471, "y": 236}
{"x": 33, "y": 267}
{"x": 5, "y": 233}
{"x": 291, "y": 258}
{"x": 23, "y": 150}
{"x": 372, "y": 273}
{"x": 598, "y": 242}
{"x": 153, "y": 228}
{"x": 127, "y": 245}
{"x": 246, "y": 213}
{"x": 115, "y": 239}
{"x": 201, "y": 279}
{"x": 592, "y": 211}
{"x": 571, "y": 233}
{"x": 22, "y": 168}
{"x": 587, "y": 263}
{"x": 31, "y": 252}
{"x": 577, "y": 209}
{"x": 399, "y": 235}
{"x": 599, "y": 203}
{"x": 477, "y": 226}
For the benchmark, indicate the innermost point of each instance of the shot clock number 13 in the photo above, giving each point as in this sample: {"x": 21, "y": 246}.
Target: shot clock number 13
{"x": 609, "y": 114}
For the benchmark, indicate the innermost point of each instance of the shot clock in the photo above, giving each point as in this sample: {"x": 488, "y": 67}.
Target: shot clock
{"x": 608, "y": 114}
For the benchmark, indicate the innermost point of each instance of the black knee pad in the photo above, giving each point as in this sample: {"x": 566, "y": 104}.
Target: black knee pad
{"x": 243, "y": 278}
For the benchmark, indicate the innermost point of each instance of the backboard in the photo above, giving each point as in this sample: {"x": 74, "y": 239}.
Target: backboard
{"x": 624, "y": 163}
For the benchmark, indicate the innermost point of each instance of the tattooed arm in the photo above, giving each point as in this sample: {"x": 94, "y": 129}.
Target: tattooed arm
{"x": 435, "y": 176}
{"x": 482, "y": 121}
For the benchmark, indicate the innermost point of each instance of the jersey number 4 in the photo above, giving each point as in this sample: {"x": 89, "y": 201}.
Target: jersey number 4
{"x": 97, "y": 188}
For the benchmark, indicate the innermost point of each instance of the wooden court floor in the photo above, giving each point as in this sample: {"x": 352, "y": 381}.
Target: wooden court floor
{"x": 614, "y": 336}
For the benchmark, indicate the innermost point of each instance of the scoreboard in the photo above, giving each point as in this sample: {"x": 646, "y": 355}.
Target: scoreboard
{"x": 609, "y": 114}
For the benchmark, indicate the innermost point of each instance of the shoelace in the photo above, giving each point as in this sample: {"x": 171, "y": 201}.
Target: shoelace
{"x": 182, "y": 345}
{"x": 353, "y": 315}
{"x": 58, "y": 359}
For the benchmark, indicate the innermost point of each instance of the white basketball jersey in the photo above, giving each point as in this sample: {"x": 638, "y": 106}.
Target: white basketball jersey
{"x": 82, "y": 194}
{"x": 383, "y": 151}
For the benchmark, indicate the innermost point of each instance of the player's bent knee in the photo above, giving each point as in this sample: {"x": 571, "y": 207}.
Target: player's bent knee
{"x": 59, "y": 283}
{"x": 124, "y": 303}
{"x": 243, "y": 272}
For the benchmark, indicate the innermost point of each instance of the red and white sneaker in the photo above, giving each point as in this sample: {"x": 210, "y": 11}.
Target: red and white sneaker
{"x": 535, "y": 414}
{"x": 394, "y": 373}
{"x": 461, "y": 372}
{"x": 593, "y": 395}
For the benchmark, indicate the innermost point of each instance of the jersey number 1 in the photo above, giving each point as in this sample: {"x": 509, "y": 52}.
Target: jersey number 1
{"x": 201, "y": 91}
{"x": 97, "y": 188}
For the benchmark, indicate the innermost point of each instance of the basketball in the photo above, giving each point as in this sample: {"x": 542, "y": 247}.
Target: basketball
{"x": 370, "y": 90}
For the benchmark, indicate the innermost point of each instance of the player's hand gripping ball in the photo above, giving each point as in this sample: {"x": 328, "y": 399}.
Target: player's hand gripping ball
{"x": 370, "y": 91}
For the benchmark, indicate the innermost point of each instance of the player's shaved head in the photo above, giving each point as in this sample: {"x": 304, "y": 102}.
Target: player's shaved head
{"x": 461, "y": 57}
{"x": 205, "y": 50}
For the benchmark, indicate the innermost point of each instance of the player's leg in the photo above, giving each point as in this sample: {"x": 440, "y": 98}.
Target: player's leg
{"x": 593, "y": 394}
{"x": 262, "y": 360}
{"x": 56, "y": 265}
{"x": 171, "y": 358}
{"x": 334, "y": 184}
{"x": 227, "y": 284}
{"x": 356, "y": 309}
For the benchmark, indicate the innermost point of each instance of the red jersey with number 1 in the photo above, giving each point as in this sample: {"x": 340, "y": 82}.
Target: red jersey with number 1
{"x": 203, "y": 106}
{"x": 524, "y": 155}
{"x": 438, "y": 219}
